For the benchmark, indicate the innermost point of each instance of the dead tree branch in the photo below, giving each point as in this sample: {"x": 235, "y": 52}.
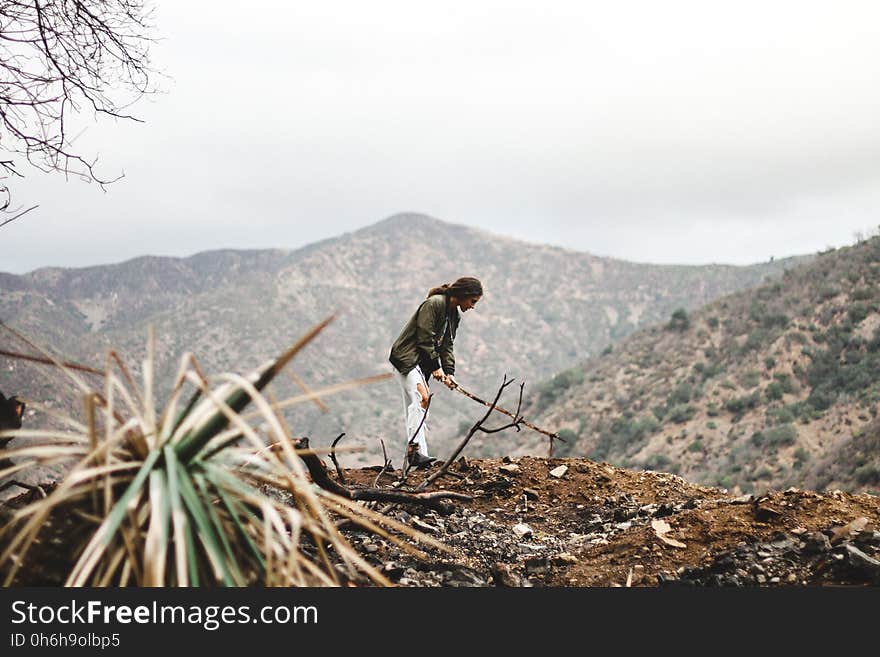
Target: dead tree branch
{"x": 319, "y": 475}
{"x": 48, "y": 361}
{"x": 478, "y": 426}
{"x": 17, "y": 215}
{"x": 386, "y": 465}
{"x": 63, "y": 59}
{"x": 333, "y": 458}
{"x": 550, "y": 434}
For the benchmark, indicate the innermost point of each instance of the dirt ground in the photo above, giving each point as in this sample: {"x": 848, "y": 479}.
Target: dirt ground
{"x": 595, "y": 524}
{"x": 577, "y": 523}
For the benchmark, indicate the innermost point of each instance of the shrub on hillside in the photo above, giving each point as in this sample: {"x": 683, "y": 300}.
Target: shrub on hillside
{"x": 682, "y": 394}
{"x": 624, "y": 434}
{"x": 863, "y": 293}
{"x": 567, "y": 448}
{"x": 858, "y": 311}
{"x": 774, "y": 391}
{"x": 773, "y": 320}
{"x": 679, "y": 321}
{"x": 756, "y": 340}
{"x": 867, "y": 474}
{"x": 750, "y": 379}
{"x": 681, "y": 413}
{"x": 740, "y": 404}
{"x": 849, "y": 365}
{"x": 828, "y": 292}
{"x": 780, "y": 415}
{"x": 659, "y": 462}
{"x": 781, "y": 435}
{"x": 707, "y": 370}
{"x": 763, "y": 472}
{"x": 551, "y": 390}
{"x": 778, "y": 436}
{"x": 785, "y": 381}
{"x": 797, "y": 337}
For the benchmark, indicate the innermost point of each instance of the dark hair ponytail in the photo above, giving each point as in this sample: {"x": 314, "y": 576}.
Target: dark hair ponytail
{"x": 463, "y": 287}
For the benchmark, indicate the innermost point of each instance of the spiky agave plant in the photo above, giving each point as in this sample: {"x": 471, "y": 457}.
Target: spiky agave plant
{"x": 174, "y": 499}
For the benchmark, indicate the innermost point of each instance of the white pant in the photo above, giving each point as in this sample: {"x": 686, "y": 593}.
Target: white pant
{"x": 412, "y": 407}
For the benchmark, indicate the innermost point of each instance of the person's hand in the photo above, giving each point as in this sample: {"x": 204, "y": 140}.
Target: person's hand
{"x": 446, "y": 379}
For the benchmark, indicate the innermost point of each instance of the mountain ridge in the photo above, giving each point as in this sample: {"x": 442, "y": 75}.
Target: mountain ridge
{"x": 545, "y": 309}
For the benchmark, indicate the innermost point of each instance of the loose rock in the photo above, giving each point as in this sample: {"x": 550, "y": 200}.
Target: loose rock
{"x": 522, "y": 530}
{"x": 559, "y": 472}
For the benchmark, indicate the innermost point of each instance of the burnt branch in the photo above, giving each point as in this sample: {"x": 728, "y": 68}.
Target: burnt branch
{"x": 333, "y": 458}
{"x": 478, "y": 426}
{"x": 550, "y": 434}
{"x": 319, "y": 475}
{"x": 386, "y": 464}
{"x": 517, "y": 418}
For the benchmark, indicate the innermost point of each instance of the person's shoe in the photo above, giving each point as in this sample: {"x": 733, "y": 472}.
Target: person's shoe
{"x": 418, "y": 460}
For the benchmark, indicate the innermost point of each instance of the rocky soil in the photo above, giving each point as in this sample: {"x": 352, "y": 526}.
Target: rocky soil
{"x": 539, "y": 522}
{"x": 576, "y": 523}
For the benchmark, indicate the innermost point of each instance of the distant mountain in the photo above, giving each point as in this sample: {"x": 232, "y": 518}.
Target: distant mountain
{"x": 766, "y": 388}
{"x": 545, "y": 310}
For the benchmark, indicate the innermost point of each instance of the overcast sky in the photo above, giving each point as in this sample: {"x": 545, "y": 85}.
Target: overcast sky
{"x": 668, "y": 132}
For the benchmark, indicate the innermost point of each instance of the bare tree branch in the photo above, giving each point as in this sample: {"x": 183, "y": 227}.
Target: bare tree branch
{"x": 550, "y": 434}
{"x": 319, "y": 475}
{"x": 20, "y": 214}
{"x": 46, "y": 361}
{"x": 517, "y": 420}
{"x": 333, "y": 458}
{"x": 386, "y": 466}
{"x": 62, "y": 58}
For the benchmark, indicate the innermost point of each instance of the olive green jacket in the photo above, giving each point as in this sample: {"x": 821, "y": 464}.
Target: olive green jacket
{"x": 427, "y": 337}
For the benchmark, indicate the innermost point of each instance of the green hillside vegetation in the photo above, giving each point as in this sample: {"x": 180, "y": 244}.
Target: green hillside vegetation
{"x": 855, "y": 463}
{"x": 757, "y": 390}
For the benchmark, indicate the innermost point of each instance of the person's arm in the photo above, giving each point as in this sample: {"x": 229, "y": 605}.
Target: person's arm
{"x": 447, "y": 358}
{"x": 425, "y": 323}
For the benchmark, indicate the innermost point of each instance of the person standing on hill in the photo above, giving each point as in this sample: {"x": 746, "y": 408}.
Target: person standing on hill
{"x": 424, "y": 350}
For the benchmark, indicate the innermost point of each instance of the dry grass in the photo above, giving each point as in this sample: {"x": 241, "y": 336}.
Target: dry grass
{"x": 178, "y": 497}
